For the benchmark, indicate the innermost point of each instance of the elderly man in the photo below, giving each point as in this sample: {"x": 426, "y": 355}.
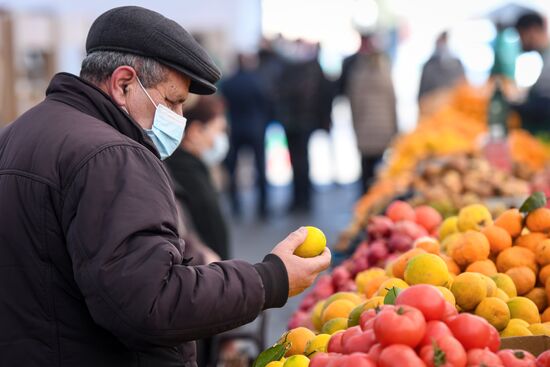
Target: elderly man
{"x": 92, "y": 269}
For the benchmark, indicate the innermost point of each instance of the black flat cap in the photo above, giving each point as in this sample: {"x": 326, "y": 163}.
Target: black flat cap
{"x": 147, "y": 33}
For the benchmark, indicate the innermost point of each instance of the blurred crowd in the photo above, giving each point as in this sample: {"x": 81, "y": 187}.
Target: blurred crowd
{"x": 284, "y": 82}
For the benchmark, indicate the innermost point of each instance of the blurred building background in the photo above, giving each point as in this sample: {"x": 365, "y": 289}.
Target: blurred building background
{"x": 41, "y": 37}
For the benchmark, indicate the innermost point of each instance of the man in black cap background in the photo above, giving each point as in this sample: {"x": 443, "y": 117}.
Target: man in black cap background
{"x": 92, "y": 268}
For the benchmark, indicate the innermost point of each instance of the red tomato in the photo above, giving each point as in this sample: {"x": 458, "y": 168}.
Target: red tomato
{"x": 543, "y": 360}
{"x": 445, "y": 352}
{"x": 350, "y": 333}
{"x": 359, "y": 343}
{"x": 435, "y": 330}
{"x": 494, "y": 340}
{"x": 367, "y": 318}
{"x": 399, "y": 355}
{"x": 374, "y": 352}
{"x": 335, "y": 343}
{"x": 426, "y": 298}
{"x": 360, "y": 360}
{"x": 516, "y": 358}
{"x": 402, "y": 325}
{"x": 450, "y": 311}
{"x": 470, "y": 330}
{"x": 483, "y": 357}
{"x": 320, "y": 359}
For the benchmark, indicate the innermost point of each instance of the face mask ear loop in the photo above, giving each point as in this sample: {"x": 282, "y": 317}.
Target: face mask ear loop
{"x": 143, "y": 88}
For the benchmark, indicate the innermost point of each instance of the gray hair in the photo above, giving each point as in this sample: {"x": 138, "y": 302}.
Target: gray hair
{"x": 99, "y": 65}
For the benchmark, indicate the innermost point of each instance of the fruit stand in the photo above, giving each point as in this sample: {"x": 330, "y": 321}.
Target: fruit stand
{"x": 455, "y": 273}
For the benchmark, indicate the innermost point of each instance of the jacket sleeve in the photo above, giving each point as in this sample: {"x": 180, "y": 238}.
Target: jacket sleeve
{"x": 120, "y": 222}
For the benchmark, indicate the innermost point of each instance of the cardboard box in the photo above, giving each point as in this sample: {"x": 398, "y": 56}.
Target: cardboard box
{"x": 533, "y": 344}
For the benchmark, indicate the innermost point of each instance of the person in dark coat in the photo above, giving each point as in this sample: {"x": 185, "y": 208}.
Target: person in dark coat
{"x": 304, "y": 104}
{"x": 249, "y": 110}
{"x": 442, "y": 70}
{"x": 92, "y": 268}
{"x": 367, "y": 83}
{"x": 204, "y": 145}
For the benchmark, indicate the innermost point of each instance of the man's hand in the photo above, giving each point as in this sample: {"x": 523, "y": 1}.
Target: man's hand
{"x": 301, "y": 271}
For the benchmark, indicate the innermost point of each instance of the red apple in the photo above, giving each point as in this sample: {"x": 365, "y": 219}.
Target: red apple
{"x": 377, "y": 252}
{"x": 379, "y": 226}
{"x": 399, "y": 242}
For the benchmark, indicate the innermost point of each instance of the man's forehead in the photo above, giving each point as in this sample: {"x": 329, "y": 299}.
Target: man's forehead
{"x": 177, "y": 84}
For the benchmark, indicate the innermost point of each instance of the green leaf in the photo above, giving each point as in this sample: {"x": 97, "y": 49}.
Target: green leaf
{"x": 274, "y": 353}
{"x": 392, "y": 294}
{"x": 535, "y": 201}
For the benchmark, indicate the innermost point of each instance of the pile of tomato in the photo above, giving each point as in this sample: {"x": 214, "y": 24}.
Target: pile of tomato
{"x": 421, "y": 329}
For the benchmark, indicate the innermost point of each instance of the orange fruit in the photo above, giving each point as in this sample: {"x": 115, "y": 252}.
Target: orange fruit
{"x": 399, "y": 265}
{"x": 514, "y": 257}
{"x": 499, "y": 239}
{"x": 530, "y": 240}
{"x": 298, "y": 339}
{"x": 451, "y": 265}
{"x": 371, "y": 287}
{"x": 486, "y": 267}
{"x": 544, "y": 274}
{"x": 543, "y": 252}
{"x": 338, "y": 308}
{"x": 472, "y": 246}
{"x": 545, "y": 316}
{"x": 427, "y": 244}
{"x": 512, "y": 221}
{"x": 524, "y": 278}
{"x": 538, "y": 220}
{"x": 538, "y": 296}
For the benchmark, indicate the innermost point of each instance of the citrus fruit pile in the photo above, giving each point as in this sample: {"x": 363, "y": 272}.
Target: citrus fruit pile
{"x": 494, "y": 269}
{"x": 388, "y": 235}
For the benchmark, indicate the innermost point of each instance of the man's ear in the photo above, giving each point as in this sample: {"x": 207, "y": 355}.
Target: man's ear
{"x": 120, "y": 83}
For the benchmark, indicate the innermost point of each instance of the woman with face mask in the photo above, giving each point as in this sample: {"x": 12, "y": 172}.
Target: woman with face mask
{"x": 204, "y": 145}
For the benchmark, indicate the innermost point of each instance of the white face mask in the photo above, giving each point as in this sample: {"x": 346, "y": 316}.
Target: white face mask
{"x": 168, "y": 128}
{"x": 218, "y": 152}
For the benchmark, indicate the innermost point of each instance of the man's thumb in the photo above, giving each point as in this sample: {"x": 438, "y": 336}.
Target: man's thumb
{"x": 295, "y": 239}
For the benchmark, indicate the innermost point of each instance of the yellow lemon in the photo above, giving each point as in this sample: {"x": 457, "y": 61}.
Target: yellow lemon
{"x": 495, "y": 311}
{"x": 389, "y": 284}
{"x": 505, "y": 283}
{"x": 427, "y": 269}
{"x": 539, "y": 329}
{"x": 317, "y": 344}
{"x": 316, "y": 315}
{"x": 335, "y": 325}
{"x": 525, "y": 309}
{"x": 448, "y": 227}
{"x": 515, "y": 330}
{"x": 314, "y": 244}
{"x": 502, "y": 295}
{"x": 297, "y": 361}
{"x": 474, "y": 217}
{"x": 448, "y": 295}
{"x": 469, "y": 290}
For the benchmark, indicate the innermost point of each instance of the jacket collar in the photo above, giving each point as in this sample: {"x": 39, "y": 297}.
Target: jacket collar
{"x": 89, "y": 99}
